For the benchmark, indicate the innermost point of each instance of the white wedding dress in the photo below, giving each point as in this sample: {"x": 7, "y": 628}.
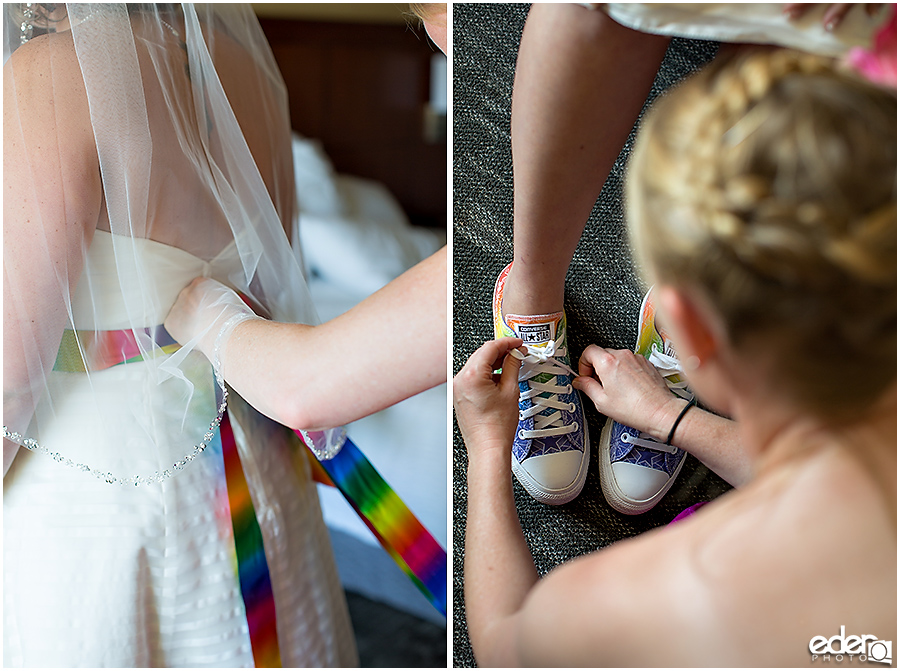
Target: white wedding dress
{"x": 99, "y": 574}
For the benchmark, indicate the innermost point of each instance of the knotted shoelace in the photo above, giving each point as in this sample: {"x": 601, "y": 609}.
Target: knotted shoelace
{"x": 669, "y": 367}
{"x": 540, "y": 360}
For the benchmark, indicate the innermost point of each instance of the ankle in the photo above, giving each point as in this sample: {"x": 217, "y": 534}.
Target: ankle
{"x": 523, "y": 296}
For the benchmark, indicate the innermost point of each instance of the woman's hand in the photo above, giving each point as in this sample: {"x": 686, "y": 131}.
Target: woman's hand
{"x": 833, "y": 15}
{"x": 200, "y": 312}
{"x": 487, "y": 405}
{"x": 627, "y": 388}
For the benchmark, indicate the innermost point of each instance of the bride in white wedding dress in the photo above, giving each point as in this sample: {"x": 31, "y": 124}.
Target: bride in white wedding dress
{"x": 146, "y": 525}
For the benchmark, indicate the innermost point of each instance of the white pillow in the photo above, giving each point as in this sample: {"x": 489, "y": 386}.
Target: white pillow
{"x": 368, "y": 245}
{"x": 314, "y": 178}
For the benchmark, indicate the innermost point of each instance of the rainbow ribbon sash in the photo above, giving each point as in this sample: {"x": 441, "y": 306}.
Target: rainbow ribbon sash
{"x": 400, "y": 533}
{"x": 81, "y": 351}
{"x": 253, "y": 571}
{"x": 104, "y": 349}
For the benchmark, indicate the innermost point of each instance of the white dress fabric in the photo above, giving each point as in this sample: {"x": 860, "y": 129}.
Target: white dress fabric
{"x": 106, "y": 575}
{"x": 754, "y": 23}
{"x": 146, "y": 145}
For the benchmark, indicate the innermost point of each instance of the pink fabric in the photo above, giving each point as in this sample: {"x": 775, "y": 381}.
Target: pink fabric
{"x": 687, "y": 512}
{"x": 879, "y": 64}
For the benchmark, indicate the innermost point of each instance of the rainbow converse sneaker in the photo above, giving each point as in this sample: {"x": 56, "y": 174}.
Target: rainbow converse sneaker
{"x": 551, "y": 449}
{"x": 635, "y": 470}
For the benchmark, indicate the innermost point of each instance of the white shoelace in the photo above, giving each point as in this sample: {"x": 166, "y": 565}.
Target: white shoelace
{"x": 538, "y": 360}
{"x": 668, "y": 366}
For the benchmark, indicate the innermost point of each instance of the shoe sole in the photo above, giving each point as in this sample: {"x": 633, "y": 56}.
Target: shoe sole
{"x": 554, "y": 497}
{"x": 615, "y": 496}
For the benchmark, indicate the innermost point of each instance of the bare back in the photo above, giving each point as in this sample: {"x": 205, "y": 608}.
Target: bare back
{"x": 803, "y": 551}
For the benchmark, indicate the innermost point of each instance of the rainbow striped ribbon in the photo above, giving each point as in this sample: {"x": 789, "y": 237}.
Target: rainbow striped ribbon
{"x": 81, "y": 351}
{"x": 253, "y": 571}
{"x": 400, "y": 533}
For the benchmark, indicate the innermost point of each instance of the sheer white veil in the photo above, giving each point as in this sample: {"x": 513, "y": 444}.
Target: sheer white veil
{"x": 187, "y": 116}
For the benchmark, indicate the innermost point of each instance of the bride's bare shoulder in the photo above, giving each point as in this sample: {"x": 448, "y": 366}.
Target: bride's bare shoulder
{"x": 811, "y": 545}
{"x": 43, "y": 76}
{"x": 47, "y": 127}
{"x": 56, "y": 50}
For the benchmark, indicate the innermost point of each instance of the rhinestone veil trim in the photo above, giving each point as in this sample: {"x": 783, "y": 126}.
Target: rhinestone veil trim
{"x": 135, "y": 480}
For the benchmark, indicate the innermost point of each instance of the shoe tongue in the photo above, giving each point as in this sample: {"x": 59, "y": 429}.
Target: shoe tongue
{"x": 535, "y": 329}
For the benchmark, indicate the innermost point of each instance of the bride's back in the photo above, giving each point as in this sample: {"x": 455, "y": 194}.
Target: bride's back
{"x": 191, "y": 168}
{"x": 171, "y": 124}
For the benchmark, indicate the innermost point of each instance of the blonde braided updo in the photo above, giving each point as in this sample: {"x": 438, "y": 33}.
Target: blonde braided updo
{"x": 768, "y": 181}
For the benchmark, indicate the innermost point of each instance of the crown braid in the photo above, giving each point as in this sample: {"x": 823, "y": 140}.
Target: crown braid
{"x": 770, "y": 180}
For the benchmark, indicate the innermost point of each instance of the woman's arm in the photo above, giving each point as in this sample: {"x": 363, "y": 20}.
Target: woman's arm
{"x": 499, "y": 568}
{"x": 51, "y": 203}
{"x": 387, "y": 348}
{"x": 593, "y": 611}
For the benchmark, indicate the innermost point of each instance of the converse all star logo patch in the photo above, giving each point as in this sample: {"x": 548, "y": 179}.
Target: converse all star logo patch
{"x": 532, "y": 333}
{"x": 535, "y": 329}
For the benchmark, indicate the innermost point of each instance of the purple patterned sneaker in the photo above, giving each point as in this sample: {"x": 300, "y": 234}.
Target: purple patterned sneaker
{"x": 551, "y": 449}
{"x": 635, "y": 470}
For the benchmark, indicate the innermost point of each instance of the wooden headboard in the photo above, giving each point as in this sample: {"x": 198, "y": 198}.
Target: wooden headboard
{"x": 362, "y": 90}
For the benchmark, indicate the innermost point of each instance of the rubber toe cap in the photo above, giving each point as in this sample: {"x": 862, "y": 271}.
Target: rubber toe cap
{"x": 638, "y": 483}
{"x": 554, "y": 471}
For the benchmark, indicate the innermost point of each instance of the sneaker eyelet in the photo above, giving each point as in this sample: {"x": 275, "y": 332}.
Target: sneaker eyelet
{"x": 568, "y": 389}
{"x": 626, "y": 437}
{"x": 521, "y": 434}
{"x": 571, "y": 407}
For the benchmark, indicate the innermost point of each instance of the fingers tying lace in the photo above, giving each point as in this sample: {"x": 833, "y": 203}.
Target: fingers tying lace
{"x": 671, "y": 370}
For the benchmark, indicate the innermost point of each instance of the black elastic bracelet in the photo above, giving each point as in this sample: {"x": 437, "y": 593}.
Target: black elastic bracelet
{"x": 678, "y": 419}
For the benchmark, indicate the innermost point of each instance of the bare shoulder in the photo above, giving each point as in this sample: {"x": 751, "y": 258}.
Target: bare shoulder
{"x": 639, "y": 602}
{"x": 49, "y": 155}
{"x": 46, "y": 90}
{"x": 748, "y": 580}
{"x": 802, "y": 554}
{"x": 35, "y": 61}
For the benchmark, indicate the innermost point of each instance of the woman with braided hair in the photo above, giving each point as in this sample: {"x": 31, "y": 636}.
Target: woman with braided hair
{"x": 762, "y": 204}
{"x": 582, "y": 77}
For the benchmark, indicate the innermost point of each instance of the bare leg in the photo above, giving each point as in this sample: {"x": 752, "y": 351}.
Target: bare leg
{"x": 581, "y": 80}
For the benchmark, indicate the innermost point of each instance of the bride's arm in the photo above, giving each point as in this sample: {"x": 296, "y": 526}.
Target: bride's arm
{"x": 389, "y": 347}
{"x": 51, "y": 203}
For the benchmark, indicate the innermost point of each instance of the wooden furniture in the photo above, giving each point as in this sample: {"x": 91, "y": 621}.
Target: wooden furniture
{"x": 362, "y": 90}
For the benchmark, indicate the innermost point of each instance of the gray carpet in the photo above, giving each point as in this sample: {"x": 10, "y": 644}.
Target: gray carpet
{"x": 390, "y": 638}
{"x": 603, "y": 293}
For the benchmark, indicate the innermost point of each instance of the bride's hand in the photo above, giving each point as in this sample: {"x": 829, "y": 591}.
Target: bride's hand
{"x": 834, "y": 14}
{"x": 201, "y": 311}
